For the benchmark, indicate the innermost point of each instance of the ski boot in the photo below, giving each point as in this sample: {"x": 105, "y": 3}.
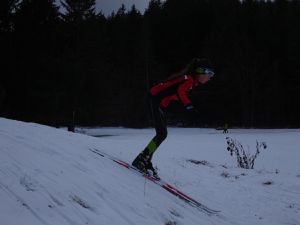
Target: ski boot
{"x": 143, "y": 163}
{"x": 152, "y": 171}
{"x": 140, "y": 162}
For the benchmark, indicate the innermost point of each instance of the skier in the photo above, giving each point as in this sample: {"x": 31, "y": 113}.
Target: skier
{"x": 175, "y": 88}
{"x": 225, "y": 128}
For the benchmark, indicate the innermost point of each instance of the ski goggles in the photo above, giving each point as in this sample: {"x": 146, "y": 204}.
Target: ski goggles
{"x": 207, "y": 71}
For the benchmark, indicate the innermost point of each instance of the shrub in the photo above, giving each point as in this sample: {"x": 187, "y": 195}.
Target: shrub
{"x": 244, "y": 158}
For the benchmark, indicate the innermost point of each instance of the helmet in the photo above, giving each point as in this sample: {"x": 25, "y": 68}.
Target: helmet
{"x": 202, "y": 66}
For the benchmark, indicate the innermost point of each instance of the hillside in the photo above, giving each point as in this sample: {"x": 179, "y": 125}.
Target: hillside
{"x": 48, "y": 176}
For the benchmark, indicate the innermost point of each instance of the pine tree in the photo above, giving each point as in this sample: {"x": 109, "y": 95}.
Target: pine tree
{"x": 7, "y": 10}
{"x": 37, "y": 14}
{"x": 78, "y": 10}
{"x": 34, "y": 43}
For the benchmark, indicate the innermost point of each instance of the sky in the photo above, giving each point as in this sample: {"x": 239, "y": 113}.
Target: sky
{"x": 107, "y": 6}
{"x": 49, "y": 176}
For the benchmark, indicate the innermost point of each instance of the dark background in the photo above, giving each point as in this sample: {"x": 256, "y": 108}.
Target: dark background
{"x": 79, "y": 63}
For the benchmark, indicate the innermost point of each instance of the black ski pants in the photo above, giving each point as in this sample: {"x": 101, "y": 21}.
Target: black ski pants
{"x": 160, "y": 124}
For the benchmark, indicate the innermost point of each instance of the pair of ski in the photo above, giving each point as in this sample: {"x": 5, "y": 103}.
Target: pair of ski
{"x": 159, "y": 182}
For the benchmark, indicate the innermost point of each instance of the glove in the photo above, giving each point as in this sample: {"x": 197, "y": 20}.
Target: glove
{"x": 192, "y": 111}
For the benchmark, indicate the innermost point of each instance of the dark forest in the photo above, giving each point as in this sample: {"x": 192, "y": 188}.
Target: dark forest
{"x": 71, "y": 64}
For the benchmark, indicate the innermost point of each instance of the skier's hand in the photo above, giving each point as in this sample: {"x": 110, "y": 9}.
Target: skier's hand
{"x": 192, "y": 111}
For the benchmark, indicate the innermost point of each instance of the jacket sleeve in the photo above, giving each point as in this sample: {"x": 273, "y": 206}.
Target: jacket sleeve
{"x": 183, "y": 89}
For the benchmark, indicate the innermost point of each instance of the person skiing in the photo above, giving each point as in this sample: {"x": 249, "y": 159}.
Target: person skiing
{"x": 175, "y": 88}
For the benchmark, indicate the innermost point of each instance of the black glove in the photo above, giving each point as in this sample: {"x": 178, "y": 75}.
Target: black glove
{"x": 193, "y": 115}
{"x": 192, "y": 111}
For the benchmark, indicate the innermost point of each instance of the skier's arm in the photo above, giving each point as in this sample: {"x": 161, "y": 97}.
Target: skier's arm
{"x": 182, "y": 92}
{"x": 187, "y": 103}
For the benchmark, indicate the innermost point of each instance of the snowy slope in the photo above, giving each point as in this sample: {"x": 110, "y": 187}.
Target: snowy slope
{"x": 49, "y": 176}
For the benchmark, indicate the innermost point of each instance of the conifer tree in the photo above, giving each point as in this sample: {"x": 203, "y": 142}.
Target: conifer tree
{"x": 7, "y": 10}
{"x": 78, "y": 10}
{"x": 37, "y": 14}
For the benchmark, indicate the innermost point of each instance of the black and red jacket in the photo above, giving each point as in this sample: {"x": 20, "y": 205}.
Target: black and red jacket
{"x": 173, "y": 90}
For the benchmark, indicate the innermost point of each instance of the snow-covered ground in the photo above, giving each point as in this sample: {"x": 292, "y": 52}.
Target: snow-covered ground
{"x": 48, "y": 176}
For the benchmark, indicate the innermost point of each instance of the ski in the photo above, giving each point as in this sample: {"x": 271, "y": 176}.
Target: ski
{"x": 171, "y": 189}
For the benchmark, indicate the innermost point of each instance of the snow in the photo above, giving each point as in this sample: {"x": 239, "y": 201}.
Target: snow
{"x": 48, "y": 176}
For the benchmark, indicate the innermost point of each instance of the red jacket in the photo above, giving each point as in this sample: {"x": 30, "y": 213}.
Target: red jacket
{"x": 174, "y": 89}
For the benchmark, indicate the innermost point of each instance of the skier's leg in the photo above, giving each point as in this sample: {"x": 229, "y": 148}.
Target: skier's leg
{"x": 161, "y": 133}
{"x": 160, "y": 122}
